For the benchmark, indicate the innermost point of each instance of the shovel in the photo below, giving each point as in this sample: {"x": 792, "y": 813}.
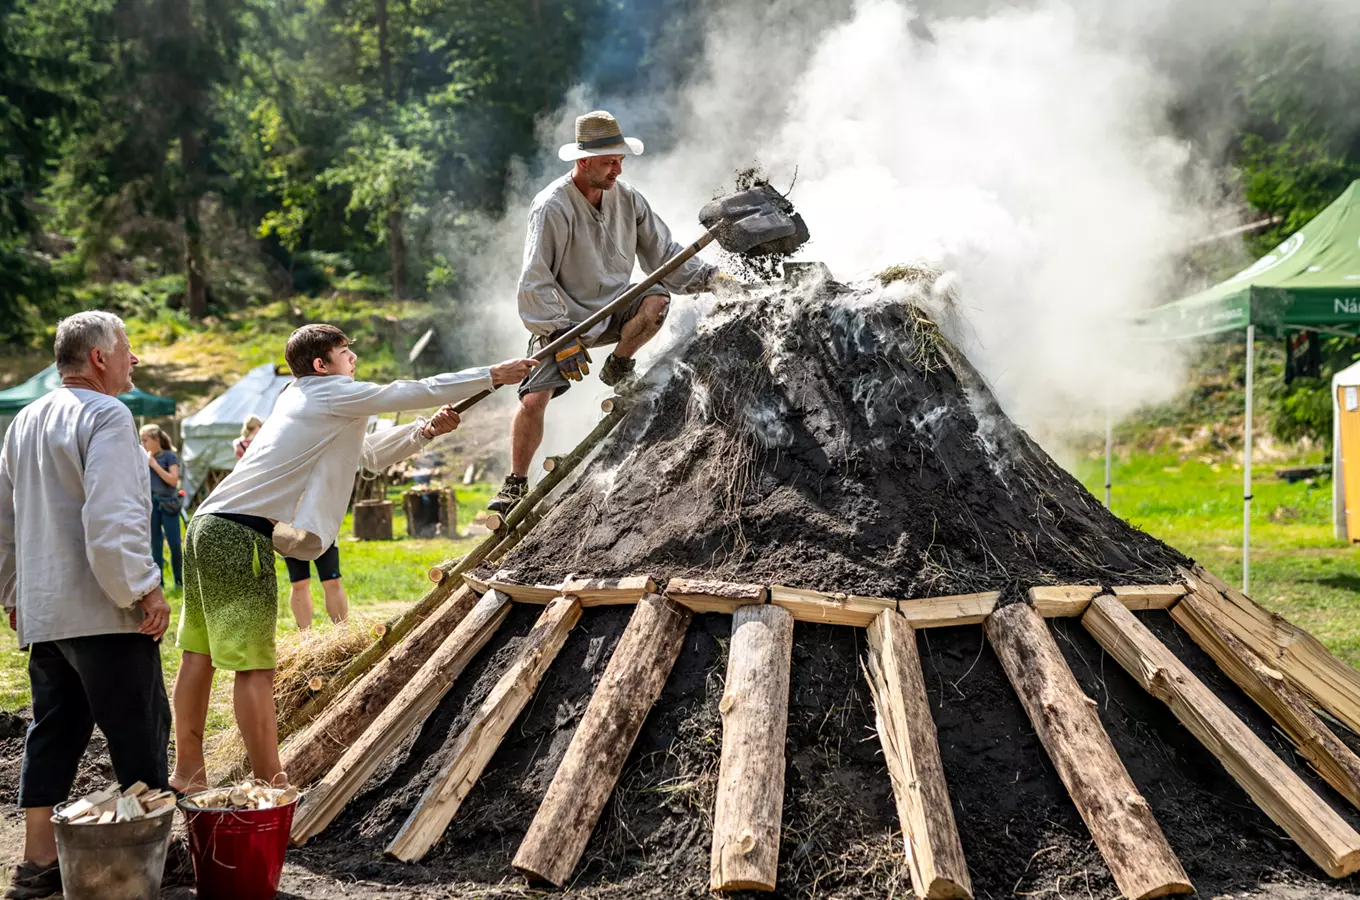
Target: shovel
{"x": 750, "y": 222}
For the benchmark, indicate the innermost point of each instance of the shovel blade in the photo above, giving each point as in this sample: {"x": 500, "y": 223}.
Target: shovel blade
{"x": 758, "y": 220}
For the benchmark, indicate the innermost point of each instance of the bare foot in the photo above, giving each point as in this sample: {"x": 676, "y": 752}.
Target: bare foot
{"x": 186, "y": 786}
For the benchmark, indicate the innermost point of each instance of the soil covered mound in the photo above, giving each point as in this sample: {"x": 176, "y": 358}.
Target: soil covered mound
{"x": 831, "y": 438}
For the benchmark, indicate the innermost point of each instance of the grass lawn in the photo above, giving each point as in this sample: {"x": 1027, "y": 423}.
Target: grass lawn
{"x": 382, "y": 578}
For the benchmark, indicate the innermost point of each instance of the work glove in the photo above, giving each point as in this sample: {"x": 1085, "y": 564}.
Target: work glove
{"x": 724, "y": 285}
{"x": 573, "y": 359}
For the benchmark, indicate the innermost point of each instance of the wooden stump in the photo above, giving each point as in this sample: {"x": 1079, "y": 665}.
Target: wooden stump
{"x": 430, "y": 512}
{"x": 373, "y": 520}
{"x": 755, "y": 709}
{"x": 1119, "y": 819}
{"x": 590, "y": 769}
{"x": 911, "y": 748}
{"x": 477, "y": 742}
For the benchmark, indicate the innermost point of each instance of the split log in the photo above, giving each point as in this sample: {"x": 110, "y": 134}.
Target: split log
{"x": 477, "y": 742}
{"x": 590, "y": 769}
{"x": 1300, "y": 657}
{"x": 942, "y": 612}
{"x": 830, "y": 609}
{"x": 1329, "y": 757}
{"x": 755, "y": 711}
{"x": 537, "y": 594}
{"x": 315, "y": 749}
{"x": 1277, "y": 789}
{"x": 412, "y": 706}
{"x": 911, "y": 748}
{"x": 609, "y": 591}
{"x": 703, "y": 595}
{"x": 1119, "y": 819}
{"x": 1149, "y": 596}
{"x": 1063, "y": 600}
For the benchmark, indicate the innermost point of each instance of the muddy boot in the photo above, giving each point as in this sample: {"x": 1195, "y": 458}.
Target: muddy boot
{"x": 617, "y": 369}
{"x": 31, "y": 881}
{"x": 513, "y": 491}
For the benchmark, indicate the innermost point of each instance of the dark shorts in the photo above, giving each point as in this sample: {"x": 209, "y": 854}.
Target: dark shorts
{"x": 110, "y": 680}
{"x": 327, "y": 567}
{"x": 547, "y": 376}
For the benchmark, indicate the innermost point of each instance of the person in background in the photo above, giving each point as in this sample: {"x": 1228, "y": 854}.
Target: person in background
{"x": 328, "y": 572}
{"x": 248, "y": 432}
{"x": 79, "y": 587}
{"x": 165, "y": 502}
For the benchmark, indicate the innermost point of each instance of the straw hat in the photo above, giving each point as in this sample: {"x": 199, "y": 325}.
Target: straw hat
{"x": 598, "y": 134}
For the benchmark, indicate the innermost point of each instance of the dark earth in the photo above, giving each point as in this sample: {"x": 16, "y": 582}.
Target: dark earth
{"x": 827, "y": 438}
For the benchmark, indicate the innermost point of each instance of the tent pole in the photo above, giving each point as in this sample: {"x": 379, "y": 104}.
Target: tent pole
{"x": 1246, "y": 467}
{"x": 1109, "y": 444}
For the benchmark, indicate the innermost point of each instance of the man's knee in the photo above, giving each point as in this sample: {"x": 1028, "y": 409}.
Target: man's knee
{"x": 653, "y": 311}
{"x": 535, "y": 403}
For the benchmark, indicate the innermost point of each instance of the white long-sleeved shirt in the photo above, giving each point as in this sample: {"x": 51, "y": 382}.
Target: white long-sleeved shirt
{"x": 75, "y": 518}
{"x": 300, "y": 468}
{"x": 578, "y": 258}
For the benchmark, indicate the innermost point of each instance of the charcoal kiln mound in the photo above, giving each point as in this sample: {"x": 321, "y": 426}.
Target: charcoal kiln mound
{"x": 830, "y": 439}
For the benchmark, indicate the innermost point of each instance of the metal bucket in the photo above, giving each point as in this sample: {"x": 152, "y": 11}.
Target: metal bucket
{"x": 238, "y": 853}
{"x": 117, "y": 861}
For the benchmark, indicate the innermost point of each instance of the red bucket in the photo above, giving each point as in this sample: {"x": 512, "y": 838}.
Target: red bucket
{"x": 238, "y": 853}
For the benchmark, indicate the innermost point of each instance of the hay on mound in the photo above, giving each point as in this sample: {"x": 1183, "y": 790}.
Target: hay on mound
{"x": 830, "y": 438}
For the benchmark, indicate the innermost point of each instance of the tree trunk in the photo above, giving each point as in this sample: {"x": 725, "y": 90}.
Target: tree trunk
{"x": 195, "y": 285}
{"x": 396, "y": 244}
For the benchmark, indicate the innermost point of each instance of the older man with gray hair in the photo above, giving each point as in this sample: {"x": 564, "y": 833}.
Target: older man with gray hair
{"x": 79, "y": 586}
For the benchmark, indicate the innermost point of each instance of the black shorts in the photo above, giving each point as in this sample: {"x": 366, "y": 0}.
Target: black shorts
{"x": 327, "y": 566}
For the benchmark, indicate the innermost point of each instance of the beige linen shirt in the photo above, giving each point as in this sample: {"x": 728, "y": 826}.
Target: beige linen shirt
{"x": 75, "y": 518}
{"x": 578, "y": 258}
{"x": 299, "y": 470}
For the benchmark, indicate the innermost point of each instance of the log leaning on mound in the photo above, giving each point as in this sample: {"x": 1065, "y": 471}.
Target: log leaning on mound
{"x": 400, "y": 718}
{"x": 755, "y": 709}
{"x": 703, "y": 595}
{"x": 911, "y": 748}
{"x": 477, "y": 742}
{"x": 1119, "y": 819}
{"x": 586, "y": 777}
{"x": 1277, "y": 789}
{"x": 1333, "y": 760}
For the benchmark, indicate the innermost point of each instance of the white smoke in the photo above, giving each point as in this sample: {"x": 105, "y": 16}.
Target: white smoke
{"x": 1026, "y": 152}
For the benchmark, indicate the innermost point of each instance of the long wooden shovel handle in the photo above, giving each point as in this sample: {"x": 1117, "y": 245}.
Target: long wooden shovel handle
{"x": 620, "y": 302}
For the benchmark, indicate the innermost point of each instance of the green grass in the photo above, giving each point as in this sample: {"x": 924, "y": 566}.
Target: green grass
{"x": 382, "y": 578}
{"x": 1298, "y": 568}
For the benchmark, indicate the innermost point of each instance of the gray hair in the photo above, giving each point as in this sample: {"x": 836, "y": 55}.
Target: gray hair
{"x": 79, "y": 334}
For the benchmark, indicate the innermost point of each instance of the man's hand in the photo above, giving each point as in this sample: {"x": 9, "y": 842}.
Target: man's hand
{"x": 724, "y": 285}
{"x": 512, "y": 371}
{"x": 442, "y": 422}
{"x": 157, "y": 614}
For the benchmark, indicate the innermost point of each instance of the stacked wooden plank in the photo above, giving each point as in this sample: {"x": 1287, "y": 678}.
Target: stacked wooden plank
{"x": 114, "y": 804}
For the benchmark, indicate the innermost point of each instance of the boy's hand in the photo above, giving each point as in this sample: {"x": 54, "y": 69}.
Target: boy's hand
{"x": 512, "y": 371}
{"x": 442, "y": 422}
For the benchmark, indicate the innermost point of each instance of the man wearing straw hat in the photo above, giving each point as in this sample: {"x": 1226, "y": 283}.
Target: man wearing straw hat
{"x": 586, "y": 231}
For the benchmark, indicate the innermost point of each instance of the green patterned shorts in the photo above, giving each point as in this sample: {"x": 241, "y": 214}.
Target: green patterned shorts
{"x": 231, "y": 595}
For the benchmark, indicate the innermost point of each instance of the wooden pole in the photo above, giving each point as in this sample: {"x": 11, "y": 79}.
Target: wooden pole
{"x": 754, "y": 708}
{"x": 413, "y": 705}
{"x": 477, "y": 743}
{"x": 1333, "y": 760}
{"x": 590, "y": 769}
{"x": 1278, "y": 791}
{"x": 1119, "y": 819}
{"x": 911, "y": 748}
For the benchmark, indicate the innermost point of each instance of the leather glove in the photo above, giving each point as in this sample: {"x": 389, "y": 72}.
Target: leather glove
{"x": 724, "y": 285}
{"x": 573, "y": 359}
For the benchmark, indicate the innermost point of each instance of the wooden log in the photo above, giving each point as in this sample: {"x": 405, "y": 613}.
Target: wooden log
{"x": 1300, "y": 657}
{"x": 316, "y": 748}
{"x": 549, "y": 463}
{"x": 514, "y": 536}
{"x": 537, "y": 594}
{"x": 1149, "y": 596}
{"x": 590, "y": 769}
{"x": 1275, "y": 787}
{"x": 911, "y": 748}
{"x": 1119, "y": 819}
{"x": 1288, "y": 706}
{"x": 703, "y": 595}
{"x": 826, "y": 608}
{"x": 408, "y": 709}
{"x": 942, "y": 612}
{"x": 755, "y": 709}
{"x": 609, "y": 591}
{"x": 477, "y": 743}
{"x": 1063, "y": 600}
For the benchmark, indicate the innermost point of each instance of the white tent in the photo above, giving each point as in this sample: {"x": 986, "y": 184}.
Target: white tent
{"x": 1345, "y": 400}
{"x": 208, "y": 434}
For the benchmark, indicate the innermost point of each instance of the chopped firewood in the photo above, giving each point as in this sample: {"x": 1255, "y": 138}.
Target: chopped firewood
{"x": 106, "y": 818}
{"x": 249, "y": 794}
{"x": 129, "y": 808}
{"x": 87, "y": 804}
{"x": 136, "y": 790}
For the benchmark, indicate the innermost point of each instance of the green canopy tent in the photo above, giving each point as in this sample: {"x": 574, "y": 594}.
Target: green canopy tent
{"x": 1310, "y": 282}
{"x": 16, "y": 398}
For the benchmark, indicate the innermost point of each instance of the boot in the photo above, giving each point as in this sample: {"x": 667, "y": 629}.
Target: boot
{"x": 513, "y": 491}
{"x": 617, "y": 369}
{"x": 31, "y": 881}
